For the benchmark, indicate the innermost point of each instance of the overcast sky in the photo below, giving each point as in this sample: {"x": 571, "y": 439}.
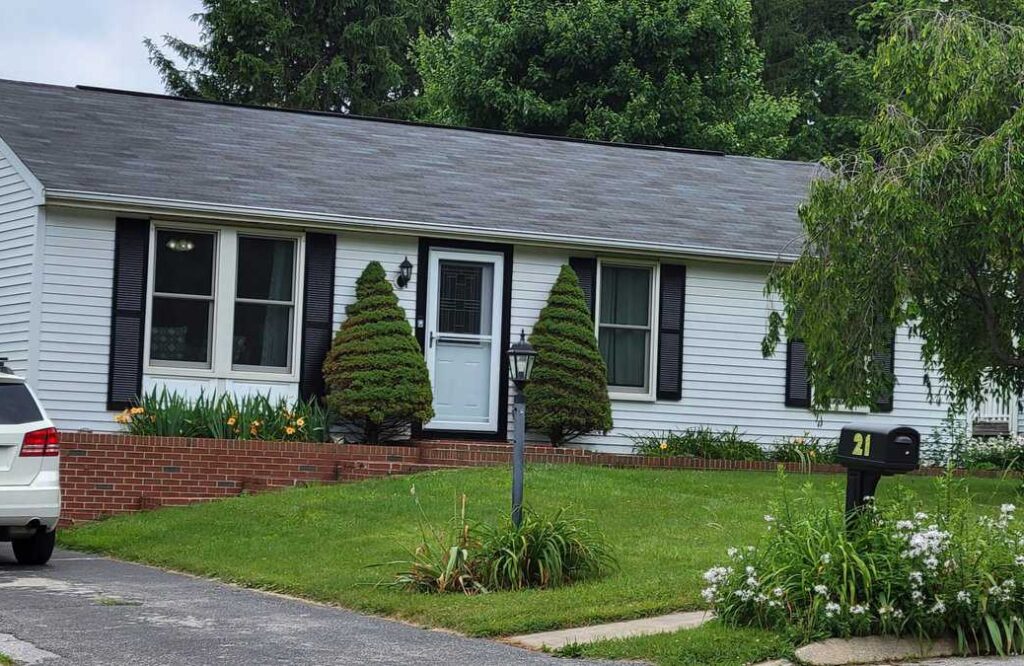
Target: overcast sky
{"x": 90, "y": 42}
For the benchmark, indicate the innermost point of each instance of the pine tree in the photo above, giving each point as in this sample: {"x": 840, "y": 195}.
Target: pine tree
{"x": 568, "y": 394}
{"x": 350, "y": 56}
{"x": 376, "y": 378}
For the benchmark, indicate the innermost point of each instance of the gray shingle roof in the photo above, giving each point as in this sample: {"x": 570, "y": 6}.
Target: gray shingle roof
{"x": 112, "y": 143}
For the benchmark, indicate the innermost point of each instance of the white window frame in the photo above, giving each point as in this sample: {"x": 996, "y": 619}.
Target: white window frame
{"x": 225, "y": 271}
{"x": 626, "y": 392}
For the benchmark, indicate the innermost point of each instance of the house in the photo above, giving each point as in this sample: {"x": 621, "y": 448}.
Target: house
{"x": 148, "y": 241}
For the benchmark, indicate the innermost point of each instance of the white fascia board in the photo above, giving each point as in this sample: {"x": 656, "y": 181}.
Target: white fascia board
{"x": 34, "y": 184}
{"x": 224, "y": 212}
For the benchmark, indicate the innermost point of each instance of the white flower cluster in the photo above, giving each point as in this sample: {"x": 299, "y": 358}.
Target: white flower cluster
{"x": 714, "y": 577}
{"x": 927, "y": 543}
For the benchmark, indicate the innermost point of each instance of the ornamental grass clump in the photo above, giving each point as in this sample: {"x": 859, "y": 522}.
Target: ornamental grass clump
{"x": 542, "y": 553}
{"x": 376, "y": 377}
{"x": 699, "y": 442}
{"x": 897, "y": 570}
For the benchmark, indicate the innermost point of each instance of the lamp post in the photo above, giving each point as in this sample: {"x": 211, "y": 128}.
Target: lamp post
{"x": 520, "y": 366}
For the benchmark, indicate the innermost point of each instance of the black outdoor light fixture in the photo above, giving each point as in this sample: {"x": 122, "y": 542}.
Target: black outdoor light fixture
{"x": 521, "y": 356}
{"x": 404, "y": 273}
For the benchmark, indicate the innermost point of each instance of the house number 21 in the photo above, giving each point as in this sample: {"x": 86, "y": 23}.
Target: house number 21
{"x": 861, "y": 444}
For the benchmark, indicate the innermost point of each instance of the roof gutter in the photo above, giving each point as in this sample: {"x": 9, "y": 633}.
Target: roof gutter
{"x": 225, "y": 212}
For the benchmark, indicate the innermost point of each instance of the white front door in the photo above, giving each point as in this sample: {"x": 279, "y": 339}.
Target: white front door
{"x": 463, "y": 338}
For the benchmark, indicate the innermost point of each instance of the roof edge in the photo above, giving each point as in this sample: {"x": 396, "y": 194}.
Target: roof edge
{"x": 34, "y": 184}
{"x": 410, "y": 123}
{"x": 231, "y": 213}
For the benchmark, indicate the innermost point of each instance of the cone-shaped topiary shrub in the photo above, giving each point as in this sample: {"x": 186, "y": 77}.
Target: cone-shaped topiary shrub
{"x": 568, "y": 394}
{"x": 375, "y": 375}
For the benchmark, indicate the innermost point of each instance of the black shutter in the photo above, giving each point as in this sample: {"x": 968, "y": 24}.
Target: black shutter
{"x": 317, "y": 312}
{"x": 128, "y": 315}
{"x": 798, "y": 388}
{"x": 884, "y": 403}
{"x": 670, "y": 332}
{"x": 586, "y": 270}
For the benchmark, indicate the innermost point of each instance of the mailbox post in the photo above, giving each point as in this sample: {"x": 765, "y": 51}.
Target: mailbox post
{"x": 869, "y": 452}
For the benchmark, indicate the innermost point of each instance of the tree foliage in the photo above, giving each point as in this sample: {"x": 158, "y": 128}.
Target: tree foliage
{"x": 376, "y": 378}
{"x": 568, "y": 394}
{"x": 921, "y": 226}
{"x": 674, "y": 72}
{"x": 324, "y": 55}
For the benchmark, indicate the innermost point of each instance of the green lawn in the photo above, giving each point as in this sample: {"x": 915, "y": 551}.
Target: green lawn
{"x": 712, "y": 644}
{"x": 666, "y": 526}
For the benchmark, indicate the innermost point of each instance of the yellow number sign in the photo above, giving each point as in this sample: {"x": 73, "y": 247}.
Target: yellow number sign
{"x": 862, "y": 444}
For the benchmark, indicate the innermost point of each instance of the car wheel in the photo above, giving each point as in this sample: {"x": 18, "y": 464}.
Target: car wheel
{"x": 36, "y": 549}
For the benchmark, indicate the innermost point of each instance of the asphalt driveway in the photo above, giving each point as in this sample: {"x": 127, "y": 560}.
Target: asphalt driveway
{"x": 88, "y": 610}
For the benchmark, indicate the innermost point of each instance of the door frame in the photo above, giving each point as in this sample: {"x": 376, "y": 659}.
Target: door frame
{"x": 504, "y": 339}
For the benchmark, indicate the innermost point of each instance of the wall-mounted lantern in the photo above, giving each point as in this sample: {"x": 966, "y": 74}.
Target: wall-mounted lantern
{"x": 404, "y": 273}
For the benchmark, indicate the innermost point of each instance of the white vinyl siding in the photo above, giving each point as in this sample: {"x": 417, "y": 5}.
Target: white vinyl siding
{"x": 356, "y": 250}
{"x": 726, "y": 381}
{"x": 18, "y": 244}
{"x": 74, "y": 340}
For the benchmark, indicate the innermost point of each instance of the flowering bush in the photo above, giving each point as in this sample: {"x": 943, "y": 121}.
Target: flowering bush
{"x": 1000, "y": 453}
{"x": 924, "y": 574}
{"x": 699, "y": 442}
{"x": 225, "y": 417}
{"x": 805, "y": 449}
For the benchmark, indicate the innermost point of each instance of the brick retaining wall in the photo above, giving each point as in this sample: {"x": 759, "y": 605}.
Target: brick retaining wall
{"x": 106, "y": 474}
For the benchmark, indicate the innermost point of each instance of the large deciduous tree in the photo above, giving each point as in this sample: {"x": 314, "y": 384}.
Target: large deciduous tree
{"x": 325, "y": 55}
{"x": 922, "y": 226}
{"x": 674, "y": 72}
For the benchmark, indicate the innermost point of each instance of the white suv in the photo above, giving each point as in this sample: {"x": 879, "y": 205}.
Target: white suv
{"x": 29, "y": 472}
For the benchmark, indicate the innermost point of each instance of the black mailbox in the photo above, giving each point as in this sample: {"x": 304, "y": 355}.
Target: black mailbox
{"x": 870, "y": 451}
{"x": 882, "y": 449}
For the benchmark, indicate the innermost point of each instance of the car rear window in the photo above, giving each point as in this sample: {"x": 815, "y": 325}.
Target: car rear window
{"x": 17, "y": 405}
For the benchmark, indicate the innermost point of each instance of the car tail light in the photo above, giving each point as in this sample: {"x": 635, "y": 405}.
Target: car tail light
{"x": 40, "y": 443}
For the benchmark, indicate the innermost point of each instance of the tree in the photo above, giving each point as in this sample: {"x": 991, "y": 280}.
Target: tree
{"x": 376, "y": 377}
{"x": 568, "y": 392}
{"x": 673, "y": 72}
{"x": 350, "y": 56}
{"x": 922, "y": 225}
{"x": 815, "y": 52}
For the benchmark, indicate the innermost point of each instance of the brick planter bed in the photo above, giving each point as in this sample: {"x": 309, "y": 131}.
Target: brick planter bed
{"x": 107, "y": 474}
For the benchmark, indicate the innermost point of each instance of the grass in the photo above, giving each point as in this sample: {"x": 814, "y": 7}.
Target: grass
{"x": 712, "y": 644}
{"x": 667, "y": 528}
{"x": 5, "y": 660}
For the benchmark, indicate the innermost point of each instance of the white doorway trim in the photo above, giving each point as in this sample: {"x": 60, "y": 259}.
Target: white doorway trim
{"x": 495, "y": 338}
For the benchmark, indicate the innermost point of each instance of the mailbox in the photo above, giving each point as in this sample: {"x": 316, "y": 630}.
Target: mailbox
{"x": 882, "y": 449}
{"x": 869, "y": 452}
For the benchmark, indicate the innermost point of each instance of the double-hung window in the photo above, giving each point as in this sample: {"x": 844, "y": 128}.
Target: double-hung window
{"x": 223, "y": 302}
{"x": 264, "y": 304}
{"x": 626, "y": 314}
{"x": 184, "y": 287}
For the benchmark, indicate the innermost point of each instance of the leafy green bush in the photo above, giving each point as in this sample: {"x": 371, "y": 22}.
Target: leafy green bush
{"x": 806, "y": 450}
{"x": 700, "y": 442}
{"x": 479, "y": 558}
{"x": 897, "y": 570}
{"x": 224, "y": 416}
{"x": 568, "y": 393}
{"x": 542, "y": 553}
{"x": 376, "y": 377}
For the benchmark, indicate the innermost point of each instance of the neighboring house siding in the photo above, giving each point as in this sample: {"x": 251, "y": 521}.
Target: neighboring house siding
{"x": 726, "y": 381}
{"x": 74, "y": 340}
{"x": 18, "y": 230}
